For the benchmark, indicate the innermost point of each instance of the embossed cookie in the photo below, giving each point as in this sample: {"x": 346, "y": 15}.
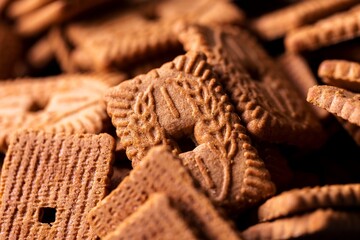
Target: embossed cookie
{"x": 341, "y": 73}
{"x": 10, "y": 49}
{"x": 49, "y": 183}
{"x": 321, "y": 224}
{"x": 32, "y": 17}
{"x": 160, "y": 171}
{"x": 334, "y": 29}
{"x": 299, "y": 73}
{"x": 266, "y": 101}
{"x": 64, "y": 103}
{"x": 183, "y": 98}
{"x": 307, "y": 199}
{"x": 338, "y": 101}
{"x": 276, "y": 24}
{"x": 155, "y": 219}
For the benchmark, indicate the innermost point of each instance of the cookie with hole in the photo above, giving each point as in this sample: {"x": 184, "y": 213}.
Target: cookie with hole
{"x": 50, "y": 181}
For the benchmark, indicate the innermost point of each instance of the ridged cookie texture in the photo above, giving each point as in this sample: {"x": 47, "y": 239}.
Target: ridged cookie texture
{"x": 49, "y": 183}
{"x": 344, "y": 104}
{"x": 266, "y": 101}
{"x": 64, "y": 103}
{"x": 155, "y": 219}
{"x": 160, "y": 171}
{"x": 183, "y": 98}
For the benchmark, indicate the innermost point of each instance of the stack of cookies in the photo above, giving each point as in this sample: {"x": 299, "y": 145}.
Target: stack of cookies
{"x": 168, "y": 119}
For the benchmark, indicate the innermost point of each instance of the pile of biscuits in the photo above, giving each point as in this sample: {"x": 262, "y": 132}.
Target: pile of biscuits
{"x": 168, "y": 119}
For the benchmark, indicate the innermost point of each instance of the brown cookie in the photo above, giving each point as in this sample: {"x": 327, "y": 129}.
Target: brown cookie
{"x": 266, "y": 101}
{"x": 50, "y": 182}
{"x": 276, "y": 24}
{"x": 183, "y": 98}
{"x": 10, "y": 49}
{"x": 334, "y": 29}
{"x": 321, "y": 224}
{"x": 299, "y": 73}
{"x": 340, "y": 73}
{"x": 352, "y": 129}
{"x": 41, "y": 53}
{"x": 307, "y": 199}
{"x": 33, "y": 17}
{"x": 64, "y": 103}
{"x": 338, "y": 101}
{"x": 160, "y": 171}
{"x": 155, "y": 219}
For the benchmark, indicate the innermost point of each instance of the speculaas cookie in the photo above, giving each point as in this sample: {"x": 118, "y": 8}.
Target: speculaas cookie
{"x": 334, "y": 29}
{"x": 183, "y": 98}
{"x": 32, "y": 17}
{"x": 299, "y": 73}
{"x": 266, "y": 101}
{"x": 120, "y": 39}
{"x": 64, "y": 103}
{"x": 160, "y": 171}
{"x": 10, "y": 49}
{"x": 155, "y": 219}
{"x": 307, "y": 199}
{"x": 276, "y": 24}
{"x": 50, "y": 182}
{"x": 338, "y": 101}
{"x": 320, "y": 224}
{"x": 340, "y": 73}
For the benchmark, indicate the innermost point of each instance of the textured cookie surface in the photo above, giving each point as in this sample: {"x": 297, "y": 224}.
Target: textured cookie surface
{"x": 160, "y": 171}
{"x": 155, "y": 219}
{"x": 183, "y": 98}
{"x": 321, "y": 224}
{"x": 270, "y": 107}
{"x": 49, "y": 183}
{"x": 307, "y": 199}
{"x": 338, "y": 101}
{"x": 341, "y": 73}
{"x": 64, "y": 103}
{"x": 276, "y": 24}
{"x": 334, "y": 29}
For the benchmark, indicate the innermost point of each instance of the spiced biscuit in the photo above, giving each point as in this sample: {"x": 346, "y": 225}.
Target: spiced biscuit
{"x": 10, "y": 49}
{"x": 337, "y": 101}
{"x": 183, "y": 98}
{"x": 328, "y": 31}
{"x": 40, "y": 54}
{"x": 340, "y": 73}
{"x": 307, "y": 199}
{"x": 160, "y": 171}
{"x": 277, "y": 23}
{"x": 49, "y": 183}
{"x": 320, "y": 224}
{"x": 64, "y": 103}
{"x": 266, "y": 101}
{"x": 40, "y": 15}
{"x": 155, "y": 219}
{"x": 299, "y": 73}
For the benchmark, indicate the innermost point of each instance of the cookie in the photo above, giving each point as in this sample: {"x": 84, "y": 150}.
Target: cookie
{"x": 352, "y": 129}
{"x": 307, "y": 199}
{"x": 183, "y": 98}
{"x": 340, "y": 73}
{"x": 299, "y": 73}
{"x": 160, "y": 171}
{"x": 268, "y": 104}
{"x": 10, "y": 48}
{"x": 277, "y": 23}
{"x": 40, "y": 15}
{"x": 334, "y": 29}
{"x": 40, "y": 54}
{"x": 50, "y": 182}
{"x": 321, "y": 224}
{"x": 338, "y": 101}
{"x": 155, "y": 219}
{"x": 64, "y": 103}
